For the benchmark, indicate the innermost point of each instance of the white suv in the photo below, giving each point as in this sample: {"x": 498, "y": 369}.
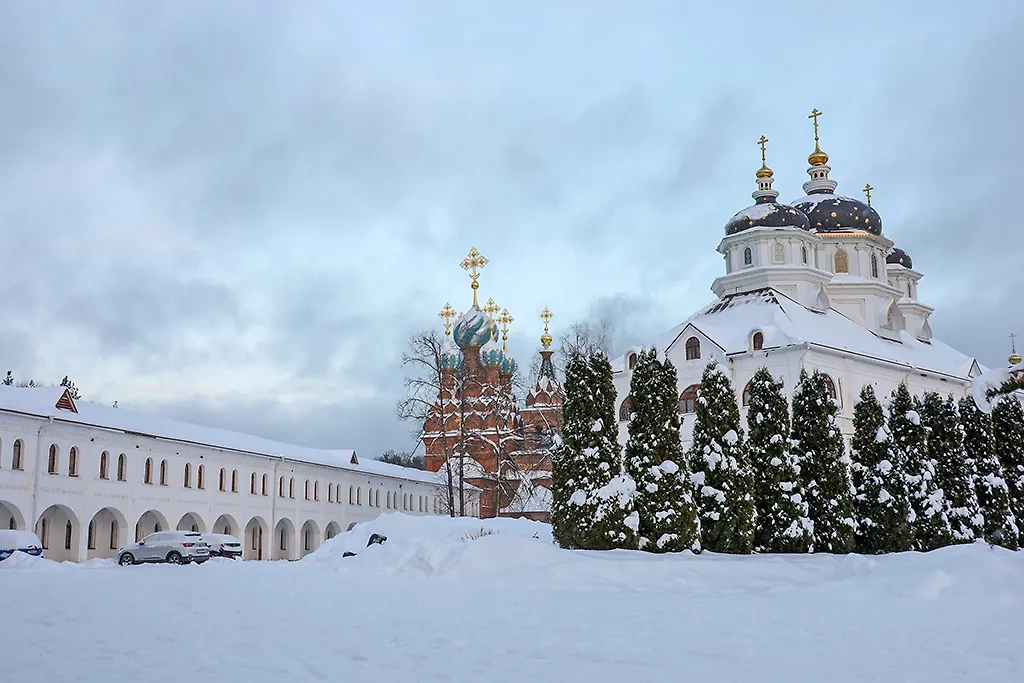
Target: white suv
{"x": 176, "y": 547}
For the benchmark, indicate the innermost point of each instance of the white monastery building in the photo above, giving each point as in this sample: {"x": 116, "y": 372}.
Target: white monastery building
{"x": 814, "y": 285}
{"x": 89, "y": 478}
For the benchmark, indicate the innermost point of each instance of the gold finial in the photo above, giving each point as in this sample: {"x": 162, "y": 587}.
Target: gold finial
{"x": 505, "y": 320}
{"x": 473, "y": 263}
{"x": 546, "y": 316}
{"x": 490, "y": 308}
{"x": 867, "y": 191}
{"x": 817, "y": 157}
{"x": 764, "y": 171}
{"x": 447, "y": 313}
{"x": 1014, "y": 356}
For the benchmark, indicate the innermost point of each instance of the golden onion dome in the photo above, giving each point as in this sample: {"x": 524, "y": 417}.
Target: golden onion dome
{"x": 817, "y": 157}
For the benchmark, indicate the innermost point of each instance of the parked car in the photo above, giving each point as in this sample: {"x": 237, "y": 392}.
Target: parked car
{"x": 14, "y": 541}
{"x": 223, "y": 545}
{"x": 175, "y": 547}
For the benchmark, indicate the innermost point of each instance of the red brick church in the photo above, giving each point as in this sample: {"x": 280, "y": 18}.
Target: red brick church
{"x": 479, "y": 425}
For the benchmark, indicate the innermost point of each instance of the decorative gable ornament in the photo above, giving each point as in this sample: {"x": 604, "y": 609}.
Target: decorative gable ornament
{"x": 354, "y": 460}
{"x": 66, "y": 402}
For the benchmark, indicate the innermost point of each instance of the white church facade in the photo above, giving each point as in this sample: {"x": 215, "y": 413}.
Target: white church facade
{"x": 814, "y": 285}
{"x": 90, "y": 478}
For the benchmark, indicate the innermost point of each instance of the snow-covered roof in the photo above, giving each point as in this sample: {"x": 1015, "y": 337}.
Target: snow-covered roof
{"x": 42, "y": 401}
{"x": 730, "y": 323}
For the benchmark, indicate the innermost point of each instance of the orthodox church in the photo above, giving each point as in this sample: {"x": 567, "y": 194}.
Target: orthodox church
{"x": 813, "y": 285}
{"x": 476, "y": 427}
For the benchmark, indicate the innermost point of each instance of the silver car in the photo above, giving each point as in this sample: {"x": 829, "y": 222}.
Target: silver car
{"x": 176, "y": 547}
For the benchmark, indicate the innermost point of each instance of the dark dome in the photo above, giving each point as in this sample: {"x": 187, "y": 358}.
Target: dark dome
{"x": 832, "y": 213}
{"x": 897, "y": 255}
{"x": 767, "y": 214}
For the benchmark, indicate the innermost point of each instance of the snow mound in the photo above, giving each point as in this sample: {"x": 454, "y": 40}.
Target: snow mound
{"x": 26, "y": 562}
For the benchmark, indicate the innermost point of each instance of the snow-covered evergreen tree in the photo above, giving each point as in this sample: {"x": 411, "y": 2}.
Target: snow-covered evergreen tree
{"x": 571, "y": 512}
{"x": 945, "y": 447}
{"x": 999, "y": 526}
{"x": 1008, "y": 444}
{"x": 721, "y": 472}
{"x": 909, "y": 437}
{"x": 615, "y": 521}
{"x": 654, "y": 459}
{"x": 824, "y": 465}
{"x": 782, "y": 522}
{"x": 881, "y": 499}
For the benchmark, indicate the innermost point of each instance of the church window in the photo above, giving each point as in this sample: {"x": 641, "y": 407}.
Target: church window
{"x": 201, "y": 477}
{"x": 73, "y": 462}
{"x": 780, "y": 253}
{"x": 359, "y": 496}
{"x": 188, "y": 475}
{"x": 830, "y": 387}
{"x": 234, "y": 481}
{"x": 748, "y": 257}
{"x": 252, "y": 483}
{"x": 44, "y": 533}
{"x": 113, "y": 534}
{"x": 284, "y": 539}
{"x": 758, "y": 341}
{"x": 163, "y": 473}
{"x": 263, "y": 488}
{"x": 632, "y": 361}
{"x": 387, "y": 503}
{"x": 803, "y": 252}
{"x": 316, "y": 490}
{"x": 68, "y": 529}
{"x": 91, "y": 544}
{"x": 842, "y": 262}
{"x": 222, "y": 480}
{"x": 692, "y": 348}
{"x": 874, "y": 266}
{"x": 351, "y": 496}
{"x": 746, "y": 395}
{"x": 148, "y": 473}
{"x": 52, "y": 465}
{"x": 305, "y": 492}
{"x": 688, "y": 399}
{"x": 104, "y": 462}
{"x": 16, "y": 463}
{"x": 280, "y": 487}
{"x": 122, "y": 473}
{"x": 624, "y": 411}
{"x": 291, "y": 487}
{"x": 330, "y": 493}
{"x": 910, "y": 293}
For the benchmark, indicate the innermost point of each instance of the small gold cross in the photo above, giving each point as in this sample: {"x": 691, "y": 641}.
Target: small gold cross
{"x": 447, "y": 313}
{"x": 473, "y": 263}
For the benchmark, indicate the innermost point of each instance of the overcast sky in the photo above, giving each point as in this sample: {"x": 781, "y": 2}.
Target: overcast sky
{"x": 236, "y": 213}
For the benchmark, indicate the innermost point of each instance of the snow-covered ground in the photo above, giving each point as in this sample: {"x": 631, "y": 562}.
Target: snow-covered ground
{"x": 440, "y": 602}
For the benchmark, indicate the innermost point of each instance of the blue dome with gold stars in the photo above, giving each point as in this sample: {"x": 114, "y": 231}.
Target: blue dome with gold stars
{"x": 829, "y": 212}
{"x": 767, "y": 213}
{"x": 897, "y": 255}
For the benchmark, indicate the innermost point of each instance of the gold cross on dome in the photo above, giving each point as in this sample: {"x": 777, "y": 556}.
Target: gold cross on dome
{"x": 490, "y": 308}
{"x": 505, "y": 320}
{"x": 867, "y": 191}
{"x": 814, "y": 115}
{"x": 473, "y": 263}
{"x": 763, "y": 141}
{"x": 447, "y": 314}
{"x": 1013, "y": 340}
{"x": 546, "y": 316}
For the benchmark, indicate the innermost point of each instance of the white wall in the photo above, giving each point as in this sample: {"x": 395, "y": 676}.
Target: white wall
{"x": 31, "y": 494}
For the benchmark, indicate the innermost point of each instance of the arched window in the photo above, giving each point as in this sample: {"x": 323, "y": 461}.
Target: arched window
{"x": 202, "y": 477}
{"x": 148, "y": 474}
{"x": 758, "y": 341}
{"x": 830, "y": 387}
{"x": 351, "y": 496}
{"x": 52, "y": 465}
{"x": 44, "y": 533}
{"x": 73, "y": 462}
{"x": 688, "y": 399}
{"x": 188, "y": 475}
{"x": 330, "y": 492}
{"x": 280, "y": 487}
{"x": 104, "y": 464}
{"x": 16, "y": 463}
{"x": 316, "y": 490}
{"x": 842, "y": 262}
{"x": 803, "y": 253}
{"x": 291, "y": 487}
{"x": 359, "y": 496}
{"x": 163, "y": 473}
{"x": 234, "y": 481}
{"x": 748, "y": 257}
{"x": 780, "y": 254}
{"x": 692, "y": 348}
{"x": 387, "y": 503}
{"x": 305, "y": 493}
{"x": 624, "y": 410}
{"x": 910, "y": 290}
{"x": 113, "y": 534}
{"x": 263, "y": 486}
{"x": 122, "y": 468}
{"x": 746, "y": 395}
{"x": 632, "y": 361}
{"x": 252, "y": 483}
{"x": 222, "y": 481}
{"x": 874, "y": 266}
{"x": 91, "y": 543}
{"x": 67, "y": 535}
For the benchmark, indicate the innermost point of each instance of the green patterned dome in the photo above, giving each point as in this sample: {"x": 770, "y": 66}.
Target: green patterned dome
{"x": 474, "y": 328}
{"x": 491, "y": 353}
{"x": 451, "y": 357}
{"x": 508, "y": 365}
